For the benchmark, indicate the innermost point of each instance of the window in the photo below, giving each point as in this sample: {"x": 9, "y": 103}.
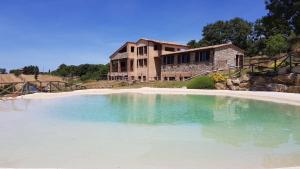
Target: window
{"x": 114, "y": 64}
{"x": 178, "y": 59}
{"x": 155, "y": 47}
{"x": 145, "y": 62}
{"x": 172, "y": 78}
{"x": 141, "y": 63}
{"x": 132, "y": 49}
{"x": 178, "y": 49}
{"x": 197, "y": 58}
{"x": 166, "y": 60}
{"x": 169, "y": 49}
{"x": 145, "y": 49}
{"x": 170, "y": 59}
{"x": 131, "y": 65}
{"x": 184, "y": 58}
{"x": 140, "y": 51}
{"x": 123, "y": 65}
{"x": 202, "y": 56}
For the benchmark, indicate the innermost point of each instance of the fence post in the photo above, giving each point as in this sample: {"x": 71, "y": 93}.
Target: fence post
{"x": 290, "y": 61}
{"x": 27, "y": 88}
{"x": 13, "y": 87}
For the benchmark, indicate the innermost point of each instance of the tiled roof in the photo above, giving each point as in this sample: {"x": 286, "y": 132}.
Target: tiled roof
{"x": 207, "y": 47}
{"x": 151, "y": 40}
{"x": 163, "y": 42}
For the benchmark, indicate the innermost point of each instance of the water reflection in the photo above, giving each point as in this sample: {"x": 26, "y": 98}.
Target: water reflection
{"x": 15, "y": 105}
{"x": 224, "y": 119}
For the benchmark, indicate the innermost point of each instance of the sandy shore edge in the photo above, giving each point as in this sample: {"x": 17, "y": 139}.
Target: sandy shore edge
{"x": 278, "y": 97}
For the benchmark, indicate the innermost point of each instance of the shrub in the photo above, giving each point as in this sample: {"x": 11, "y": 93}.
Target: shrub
{"x": 204, "y": 82}
{"x": 218, "y": 77}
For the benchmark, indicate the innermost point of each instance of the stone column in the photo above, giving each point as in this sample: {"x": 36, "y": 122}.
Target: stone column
{"x": 128, "y": 65}
{"x": 110, "y": 66}
{"x": 119, "y": 66}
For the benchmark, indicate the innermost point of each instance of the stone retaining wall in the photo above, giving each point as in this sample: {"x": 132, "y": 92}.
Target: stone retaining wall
{"x": 284, "y": 82}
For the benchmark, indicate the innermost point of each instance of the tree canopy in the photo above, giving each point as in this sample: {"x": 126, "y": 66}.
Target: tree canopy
{"x": 2, "y": 71}
{"x": 276, "y": 44}
{"x": 236, "y": 30}
{"x": 16, "y": 72}
{"x": 31, "y": 70}
{"x": 84, "y": 71}
{"x": 281, "y": 23}
{"x": 27, "y": 70}
{"x": 284, "y": 13}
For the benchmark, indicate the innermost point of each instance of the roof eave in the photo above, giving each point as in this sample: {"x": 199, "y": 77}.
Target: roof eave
{"x": 150, "y": 40}
{"x": 125, "y": 44}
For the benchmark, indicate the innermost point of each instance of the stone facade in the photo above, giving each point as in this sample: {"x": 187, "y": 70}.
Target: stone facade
{"x": 226, "y": 56}
{"x": 181, "y": 72}
{"x": 221, "y": 57}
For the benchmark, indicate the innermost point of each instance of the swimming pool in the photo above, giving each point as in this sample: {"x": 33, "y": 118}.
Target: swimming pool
{"x": 149, "y": 131}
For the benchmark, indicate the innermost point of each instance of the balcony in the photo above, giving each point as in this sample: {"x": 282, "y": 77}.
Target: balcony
{"x": 120, "y": 56}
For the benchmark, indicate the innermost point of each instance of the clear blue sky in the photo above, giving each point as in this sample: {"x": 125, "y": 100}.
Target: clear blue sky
{"x": 50, "y": 32}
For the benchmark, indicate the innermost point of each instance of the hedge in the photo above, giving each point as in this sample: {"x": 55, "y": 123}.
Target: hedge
{"x": 203, "y": 82}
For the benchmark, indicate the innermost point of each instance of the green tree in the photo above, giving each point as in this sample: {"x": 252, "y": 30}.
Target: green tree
{"x": 236, "y": 30}
{"x": 61, "y": 71}
{"x": 193, "y": 44}
{"x": 2, "y": 71}
{"x": 84, "y": 71}
{"x": 215, "y": 33}
{"x": 239, "y": 32}
{"x": 283, "y": 13}
{"x": 31, "y": 70}
{"x": 269, "y": 25}
{"x": 16, "y": 72}
{"x": 276, "y": 44}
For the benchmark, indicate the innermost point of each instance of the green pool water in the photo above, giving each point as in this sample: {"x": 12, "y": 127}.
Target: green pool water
{"x": 149, "y": 131}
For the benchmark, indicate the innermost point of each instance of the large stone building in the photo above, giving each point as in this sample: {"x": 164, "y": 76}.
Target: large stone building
{"x": 149, "y": 60}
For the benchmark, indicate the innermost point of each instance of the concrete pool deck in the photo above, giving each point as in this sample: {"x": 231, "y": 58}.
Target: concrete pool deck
{"x": 278, "y": 97}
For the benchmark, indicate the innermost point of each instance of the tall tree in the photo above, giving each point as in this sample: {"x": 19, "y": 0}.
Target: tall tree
{"x": 235, "y": 30}
{"x": 215, "y": 33}
{"x": 84, "y": 71}
{"x": 193, "y": 44}
{"x": 31, "y": 70}
{"x": 16, "y": 72}
{"x": 283, "y": 13}
{"x": 276, "y": 44}
{"x": 2, "y": 71}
